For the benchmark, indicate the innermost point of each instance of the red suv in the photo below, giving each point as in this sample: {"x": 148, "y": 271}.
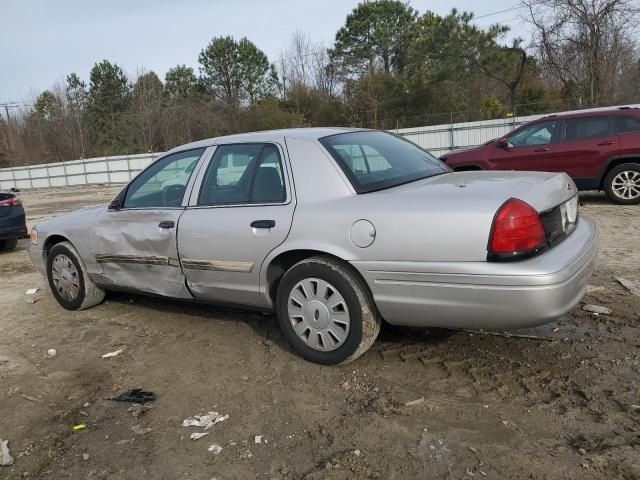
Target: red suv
{"x": 599, "y": 149}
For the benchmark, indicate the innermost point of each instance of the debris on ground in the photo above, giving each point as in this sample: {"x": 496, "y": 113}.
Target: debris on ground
{"x": 137, "y": 410}
{"x": 197, "y": 435}
{"x": 258, "y": 439}
{"x": 135, "y": 395}
{"x": 600, "y": 310}
{"x": 206, "y": 420}
{"x": 31, "y": 399}
{"x": 138, "y": 430}
{"x": 503, "y": 334}
{"x": 112, "y": 354}
{"x": 85, "y": 456}
{"x": 30, "y": 295}
{"x": 632, "y": 286}
{"x": 215, "y": 448}
{"x": 51, "y": 352}
{"x": 415, "y": 402}
{"x": 80, "y": 426}
{"x": 5, "y": 456}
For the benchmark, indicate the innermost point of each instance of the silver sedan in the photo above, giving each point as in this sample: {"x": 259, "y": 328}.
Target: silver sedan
{"x": 333, "y": 230}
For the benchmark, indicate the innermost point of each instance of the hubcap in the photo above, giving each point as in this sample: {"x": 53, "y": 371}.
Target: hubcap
{"x": 626, "y": 185}
{"x": 319, "y": 314}
{"x": 65, "y": 277}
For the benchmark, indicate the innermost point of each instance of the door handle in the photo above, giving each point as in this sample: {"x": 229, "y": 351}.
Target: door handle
{"x": 607, "y": 142}
{"x": 538, "y": 150}
{"x": 263, "y": 224}
{"x": 167, "y": 224}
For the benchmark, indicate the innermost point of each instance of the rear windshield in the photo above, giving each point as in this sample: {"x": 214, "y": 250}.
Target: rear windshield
{"x": 379, "y": 160}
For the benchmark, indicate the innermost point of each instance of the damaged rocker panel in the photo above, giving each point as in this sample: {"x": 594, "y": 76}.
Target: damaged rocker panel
{"x": 137, "y": 259}
{"x": 218, "y": 265}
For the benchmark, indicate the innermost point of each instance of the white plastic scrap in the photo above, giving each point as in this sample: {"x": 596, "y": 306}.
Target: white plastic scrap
{"x": 258, "y": 439}
{"x": 215, "y": 448}
{"x": 196, "y": 436}
{"x": 30, "y": 295}
{"x": 597, "y": 309}
{"x": 51, "y": 352}
{"x": 112, "y": 354}
{"x": 206, "y": 420}
{"x": 5, "y": 456}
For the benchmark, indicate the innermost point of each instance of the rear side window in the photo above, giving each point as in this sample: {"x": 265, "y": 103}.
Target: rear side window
{"x": 243, "y": 173}
{"x": 378, "y": 160}
{"x": 627, "y": 123}
{"x": 576, "y": 129}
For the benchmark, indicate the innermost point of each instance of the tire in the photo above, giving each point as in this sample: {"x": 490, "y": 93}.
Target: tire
{"x": 68, "y": 279}
{"x": 622, "y": 184}
{"x": 338, "y": 316}
{"x": 8, "y": 244}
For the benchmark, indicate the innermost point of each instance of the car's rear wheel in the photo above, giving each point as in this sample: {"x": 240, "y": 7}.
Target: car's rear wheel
{"x": 8, "y": 244}
{"x": 622, "y": 184}
{"x": 68, "y": 279}
{"x": 326, "y": 311}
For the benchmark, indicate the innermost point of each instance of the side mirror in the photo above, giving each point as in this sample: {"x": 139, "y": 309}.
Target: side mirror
{"x": 116, "y": 203}
{"x": 502, "y": 143}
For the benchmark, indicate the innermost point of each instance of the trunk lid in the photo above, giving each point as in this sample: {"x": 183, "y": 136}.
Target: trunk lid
{"x": 542, "y": 190}
{"x": 449, "y": 217}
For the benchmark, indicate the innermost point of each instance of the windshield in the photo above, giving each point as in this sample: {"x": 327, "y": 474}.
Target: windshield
{"x": 377, "y": 160}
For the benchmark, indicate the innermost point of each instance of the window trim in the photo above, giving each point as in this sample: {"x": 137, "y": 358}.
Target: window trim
{"x": 199, "y": 180}
{"x": 122, "y": 195}
{"x": 613, "y": 131}
{"x": 350, "y": 176}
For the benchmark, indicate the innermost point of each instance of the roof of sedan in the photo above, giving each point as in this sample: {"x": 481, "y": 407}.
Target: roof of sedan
{"x": 269, "y": 135}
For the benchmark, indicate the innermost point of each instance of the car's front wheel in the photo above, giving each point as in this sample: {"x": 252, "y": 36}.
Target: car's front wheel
{"x": 622, "y": 184}
{"x": 68, "y": 279}
{"x": 326, "y": 311}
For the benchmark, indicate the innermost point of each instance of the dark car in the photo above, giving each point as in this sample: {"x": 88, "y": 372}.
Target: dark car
{"x": 12, "y": 221}
{"x": 600, "y": 150}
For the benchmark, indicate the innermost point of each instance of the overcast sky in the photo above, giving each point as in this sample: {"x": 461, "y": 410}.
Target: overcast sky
{"x": 41, "y": 41}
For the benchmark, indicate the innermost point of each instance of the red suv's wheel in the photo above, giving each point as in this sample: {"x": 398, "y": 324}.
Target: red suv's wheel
{"x": 622, "y": 184}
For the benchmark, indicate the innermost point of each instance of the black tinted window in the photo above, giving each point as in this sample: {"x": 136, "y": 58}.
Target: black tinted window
{"x": 627, "y": 123}
{"x": 243, "y": 173}
{"x": 576, "y": 129}
{"x": 377, "y": 160}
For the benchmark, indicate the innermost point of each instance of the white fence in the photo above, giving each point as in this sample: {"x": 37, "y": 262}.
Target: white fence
{"x": 438, "y": 139}
{"x": 118, "y": 169}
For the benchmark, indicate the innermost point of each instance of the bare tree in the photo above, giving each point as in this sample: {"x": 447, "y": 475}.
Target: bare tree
{"x": 579, "y": 43}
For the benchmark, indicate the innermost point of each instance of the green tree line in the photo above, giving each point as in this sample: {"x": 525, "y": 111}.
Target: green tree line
{"x": 389, "y": 67}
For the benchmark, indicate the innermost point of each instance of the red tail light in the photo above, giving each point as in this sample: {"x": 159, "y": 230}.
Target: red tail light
{"x": 10, "y": 202}
{"x": 517, "y": 231}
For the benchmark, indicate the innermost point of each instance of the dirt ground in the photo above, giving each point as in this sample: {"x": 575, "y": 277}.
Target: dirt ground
{"x": 565, "y": 405}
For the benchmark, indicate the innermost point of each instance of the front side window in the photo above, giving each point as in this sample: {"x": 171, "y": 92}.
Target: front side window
{"x": 243, "y": 173}
{"x": 576, "y": 129}
{"x": 163, "y": 184}
{"x": 533, "y": 135}
{"x": 627, "y": 123}
{"x": 378, "y": 160}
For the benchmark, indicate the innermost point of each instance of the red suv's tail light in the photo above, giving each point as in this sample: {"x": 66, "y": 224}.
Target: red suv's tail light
{"x": 10, "y": 202}
{"x": 517, "y": 231}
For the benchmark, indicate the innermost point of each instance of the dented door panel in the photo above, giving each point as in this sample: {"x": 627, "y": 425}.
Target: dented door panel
{"x": 133, "y": 251}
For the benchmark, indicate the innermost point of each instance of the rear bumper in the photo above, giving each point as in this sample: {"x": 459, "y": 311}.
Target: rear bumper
{"x": 14, "y": 224}
{"x": 486, "y": 294}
